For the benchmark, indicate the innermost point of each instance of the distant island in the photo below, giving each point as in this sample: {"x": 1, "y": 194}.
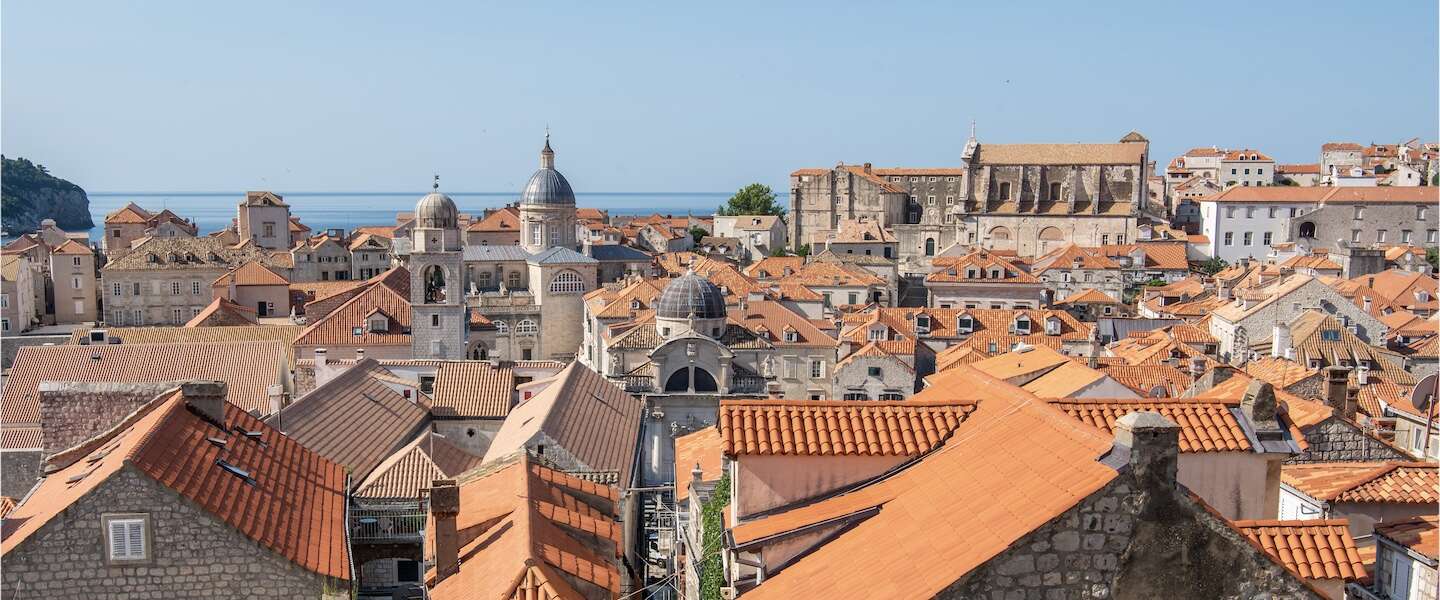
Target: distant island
{"x": 31, "y": 194}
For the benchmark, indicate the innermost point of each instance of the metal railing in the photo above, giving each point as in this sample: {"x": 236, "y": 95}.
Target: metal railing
{"x": 405, "y": 523}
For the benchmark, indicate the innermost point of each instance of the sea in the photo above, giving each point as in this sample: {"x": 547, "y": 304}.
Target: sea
{"x": 213, "y": 211}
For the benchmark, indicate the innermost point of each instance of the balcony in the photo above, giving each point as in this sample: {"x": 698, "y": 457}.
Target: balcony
{"x": 747, "y": 385}
{"x": 401, "y": 523}
{"x": 638, "y": 384}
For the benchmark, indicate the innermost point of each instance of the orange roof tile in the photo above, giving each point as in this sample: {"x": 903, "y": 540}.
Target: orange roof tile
{"x": 1417, "y": 533}
{"x": 411, "y": 470}
{"x": 1088, "y": 296}
{"x": 1145, "y": 379}
{"x": 293, "y": 501}
{"x": 339, "y": 326}
{"x": 222, "y": 312}
{"x": 7, "y": 504}
{"x": 72, "y": 247}
{"x": 705, "y": 449}
{"x": 1396, "y": 482}
{"x": 1316, "y": 549}
{"x": 1206, "y": 425}
{"x": 472, "y": 389}
{"x": 837, "y": 427}
{"x": 504, "y": 219}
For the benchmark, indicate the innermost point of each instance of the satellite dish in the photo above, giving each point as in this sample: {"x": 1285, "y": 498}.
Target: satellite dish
{"x": 1424, "y": 394}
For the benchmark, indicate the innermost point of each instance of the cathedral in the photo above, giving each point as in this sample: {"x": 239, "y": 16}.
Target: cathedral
{"x": 1026, "y": 198}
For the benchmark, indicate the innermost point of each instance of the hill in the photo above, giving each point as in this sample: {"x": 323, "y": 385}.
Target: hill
{"x": 29, "y": 193}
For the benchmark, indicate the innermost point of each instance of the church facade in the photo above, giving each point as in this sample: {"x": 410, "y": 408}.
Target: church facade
{"x": 1026, "y": 198}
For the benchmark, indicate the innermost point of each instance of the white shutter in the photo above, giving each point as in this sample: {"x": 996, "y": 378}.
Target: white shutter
{"x": 118, "y": 547}
{"x": 127, "y": 539}
{"x": 135, "y": 534}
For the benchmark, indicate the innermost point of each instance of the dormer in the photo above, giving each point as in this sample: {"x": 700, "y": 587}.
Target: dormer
{"x": 1021, "y": 326}
{"x": 377, "y": 322}
{"x": 791, "y": 336}
{"x": 174, "y": 257}
{"x": 922, "y": 323}
{"x": 1077, "y": 263}
{"x": 1052, "y": 325}
{"x": 214, "y": 257}
{"x": 971, "y": 273}
{"x": 995, "y": 273}
{"x": 190, "y": 257}
{"x": 152, "y": 258}
{"x": 878, "y": 333}
{"x": 634, "y": 304}
{"x": 964, "y": 323}
{"x": 1422, "y": 296}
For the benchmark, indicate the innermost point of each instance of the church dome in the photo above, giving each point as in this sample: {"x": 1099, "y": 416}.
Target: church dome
{"x": 691, "y": 296}
{"x": 437, "y": 211}
{"x": 547, "y": 186}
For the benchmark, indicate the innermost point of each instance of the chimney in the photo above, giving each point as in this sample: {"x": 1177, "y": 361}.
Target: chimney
{"x": 1197, "y": 366}
{"x": 1279, "y": 340}
{"x": 320, "y": 358}
{"x": 1336, "y": 381}
{"x": 1258, "y": 404}
{"x": 444, "y": 508}
{"x": 276, "y": 393}
{"x": 1362, "y": 375}
{"x": 1366, "y": 306}
{"x": 867, "y": 168}
{"x": 1151, "y": 447}
{"x": 359, "y": 354}
{"x": 324, "y": 371}
{"x": 205, "y": 398}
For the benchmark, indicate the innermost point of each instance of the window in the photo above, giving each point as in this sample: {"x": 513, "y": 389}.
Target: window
{"x": 526, "y": 327}
{"x": 1380, "y": 235}
{"x": 76, "y": 260}
{"x": 137, "y": 317}
{"x": 930, "y": 200}
{"x": 1359, "y": 212}
{"x": 1272, "y": 211}
{"x": 537, "y": 236}
{"x": 1229, "y": 212}
{"x": 1247, "y": 237}
{"x": 1247, "y": 171}
{"x": 965, "y": 323}
{"x": 1229, "y": 238}
{"x": 1330, "y": 335}
{"x": 567, "y": 282}
{"x": 269, "y": 229}
{"x": 4, "y": 324}
{"x": 856, "y": 396}
{"x": 74, "y": 283}
{"x": 1266, "y": 238}
{"x": 817, "y": 369}
{"x": 1432, "y": 236}
{"x": 502, "y": 327}
{"x": 175, "y": 288}
{"x": 874, "y": 372}
{"x": 115, "y": 289}
{"x": 1120, "y": 238}
{"x": 514, "y": 278}
{"x": 1105, "y": 240}
{"x": 1292, "y": 211}
{"x": 554, "y": 237}
{"x": 791, "y": 336}
{"x": 1004, "y": 190}
{"x": 434, "y": 320}
{"x": 126, "y": 537}
{"x": 484, "y": 279}
{"x": 1420, "y": 213}
{"x": 177, "y": 316}
{"x": 1355, "y": 235}
{"x": 195, "y": 288}
{"x": 1249, "y": 212}
{"x": 876, "y": 334}
{"x": 1404, "y": 236}
{"x": 1054, "y": 190}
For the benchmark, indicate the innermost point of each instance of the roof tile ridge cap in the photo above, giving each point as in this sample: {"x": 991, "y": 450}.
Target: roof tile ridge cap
{"x": 70, "y": 455}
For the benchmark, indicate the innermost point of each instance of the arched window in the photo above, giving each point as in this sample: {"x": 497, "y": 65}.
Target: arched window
{"x": 526, "y": 327}
{"x": 1000, "y": 233}
{"x": 1051, "y": 234}
{"x": 502, "y": 327}
{"x": 567, "y": 282}
{"x": 1307, "y": 230}
{"x": 434, "y": 284}
{"x": 929, "y": 246}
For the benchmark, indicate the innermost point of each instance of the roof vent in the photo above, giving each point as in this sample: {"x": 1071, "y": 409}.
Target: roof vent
{"x": 217, "y": 442}
{"x": 236, "y": 471}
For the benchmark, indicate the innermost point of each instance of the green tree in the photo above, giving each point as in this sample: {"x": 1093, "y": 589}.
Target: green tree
{"x": 802, "y": 250}
{"x": 712, "y": 567}
{"x": 778, "y": 252}
{"x": 698, "y": 232}
{"x": 753, "y": 199}
{"x": 1432, "y": 256}
{"x": 1213, "y": 266}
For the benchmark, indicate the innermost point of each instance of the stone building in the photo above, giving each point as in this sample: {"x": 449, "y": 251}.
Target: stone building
{"x": 1003, "y": 197}
{"x": 1366, "y": 216}
{"x": 166, "y": 280}
{"x": 547, "y": 207}
{"x": 370, "y": 255}
{"x": 188, "y": 497}
{"x": 321, "y": 258}
{"x": 264, "y": 218}
{"x": 500, "y": 227}
{"x": 1406, "y": 558}
{"x": 758, "y": 234}
{"x": 1068, "y": 270}
{"x": 17, "y": 294}
{"x": 982, "y": 279}
{"x": 1253, "y": 312}
{"x": 439, "y": 321}
{"x": 131, "y": 223}
{"x": 72, "y": 275}
{"x": 1246, "y": 168}
{"x": 255, "y": 287}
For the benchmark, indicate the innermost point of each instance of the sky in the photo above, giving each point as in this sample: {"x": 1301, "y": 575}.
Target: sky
{"x": 377, "y": 96}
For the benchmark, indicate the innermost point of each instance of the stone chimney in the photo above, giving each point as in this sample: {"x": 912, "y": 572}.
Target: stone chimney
{"x": 324, "y": 371}
{"x": 1197, "y": 366}
{"x": 1258, "y": 404}
{"x": 867, "y": 168}
{"x": 1280, "y": 340}
{"x": 1337, "y": 379}
{"x": 1211, "y": 378}
{"x": 1152, "y": 443}
{"x": 276, "y": 394}
{"x": 205, "y": 398}
{"x": 444, "y": 508}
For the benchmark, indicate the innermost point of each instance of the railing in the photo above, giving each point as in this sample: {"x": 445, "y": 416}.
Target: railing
{"x": 638, "y": 383}
{"x": 747, "y": 385}
{"x": 404, "y": 523}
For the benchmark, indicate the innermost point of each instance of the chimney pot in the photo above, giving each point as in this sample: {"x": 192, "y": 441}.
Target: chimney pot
{"x": 1336, "y": 383}
{"x": 444, "y": 508}
{"x": 359, "y": 354}
{"x": 320, "y": 357}
{"x": 1258, "y": 404}
{"x": 1153, "y": 443}
{"x": 206, "y": 398}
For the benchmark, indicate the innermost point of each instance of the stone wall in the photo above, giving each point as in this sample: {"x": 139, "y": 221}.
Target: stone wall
{"x": 18, "y": 471}
{"x": 71, "y": 413}
{"x": 156, "y": 303}
{"x": 1337, "y": 440}
{"x": 1123, "y": 542}
{"x": 193, "y": 554}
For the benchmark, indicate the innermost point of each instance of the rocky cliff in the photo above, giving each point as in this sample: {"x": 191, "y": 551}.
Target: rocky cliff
{"x": 30, "y": 194}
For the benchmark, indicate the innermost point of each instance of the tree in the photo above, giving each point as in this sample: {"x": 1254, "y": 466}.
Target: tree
{"x": 698, "y": 232}
{"x": 778, "y": 252}
{"x": 753, "y": 199}
{"x": 1213, "y": 266}
{"x": 802, "y": 250}
{"x": 1432, "y": 256}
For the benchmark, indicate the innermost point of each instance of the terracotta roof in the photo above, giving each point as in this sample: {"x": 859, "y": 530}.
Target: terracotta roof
{"x": 1394, "y": 482}
{"x": 72, "y": 247}
{"x": 774, "y": 267}
{"x": 1158, "y": 255}
{"x": 1070, "y": 255}
{"x": 1316, "y": 549}
{"x": 131, "y": 213}
{"x": 704, "y": 448}
{"x": 857, "y": 231}
{"x": 189, "y": 254}
{"x": 1318, "y": 260}
{"x": 1246, "y": 155}
{"x": 1088, "y": 296}
{"x": 1009, "y": 490}
{"x": 954, "y": 270}
{"x": 502, "y": 220}
{"x": 338, "y": 327}
{"x": 1416, "y": 533}
{"x": 1328, "y": 146}
{"x": 248, "y": 368}
{"x": 222, "y": 312}
{"x": 1060, "y": 154}
{"x": 1145, "y": 379}
{"x": 586, "y": 415}
{"x": 837, "y": 427}
{"x": 1279, "y": 371}
{"x": 1325, "y": 194}
{"x": 1300, "y": 412}
{"x": 413, "y": 468}
{"x": 1298, "y": 169}
{"x": 292, "y": 501}
{"x": 7, "y": 504}
{"x": 167, "y": 335}
{"x": 1206, "y": 425}
{"x": 527, "y": 531}
{"x": 472, "y": 389}
{"x": 833, "y": 275}
{"x": 957, "y": 354}
{"x": 776, "y": 319}
{"x": 355, "y": 419}
{"x": 21, "y": 438}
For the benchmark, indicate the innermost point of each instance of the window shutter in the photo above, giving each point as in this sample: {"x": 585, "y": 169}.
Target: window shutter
{"x": 118, "y": 546}
{"x": 135, "y": 534}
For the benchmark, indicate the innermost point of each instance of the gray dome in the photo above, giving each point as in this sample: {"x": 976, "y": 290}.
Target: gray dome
{"x": 436, "y": 210}
{"x": 548, "y": 186}
{"x": 691, "y": 296}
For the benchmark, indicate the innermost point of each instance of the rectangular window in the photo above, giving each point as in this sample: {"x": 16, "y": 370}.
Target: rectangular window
{"x": 174, "y": 288}
{"x": 1249, "y": 212}
{"x": 126, "y": 537}
{"x": 269, "y": 229}
{"x": 1432, "y": 236}
{"x": 74, "y": 283}
{"x": 1272, "y": 211}
{"x": 1229, "y": 238}
{"x": 1104, "y": 240}
{"x": 115, "y": 289}
{"x": 930, "y": 200}
{"x": 1229, "y": 212}
{"x": 1355, "y": 235}
{"x": 1380, "y": 235}
{"x": 1404, "y": 236}
{"x": 1267, "y": 237}
{"x": 137, "y": 317}
{"x": 1359, "y": 212}
{"x": 4, "y": 324}
{"x": 4, "y": 300}
{"x": 817, "y": 369}
{"x": 1421, "y": 212}
{"x": 1247, "y": 237}
{"x": 1292, "y": 211}
{"x": 75, "y": 261}
{"x": 195, "y": 287}
{"x": 177, "y": 316}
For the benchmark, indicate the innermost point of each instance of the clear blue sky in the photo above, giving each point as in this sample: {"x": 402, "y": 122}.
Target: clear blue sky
{"x": 372, "y": 96}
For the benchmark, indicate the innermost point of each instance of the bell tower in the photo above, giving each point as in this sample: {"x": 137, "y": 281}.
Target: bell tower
{"x": 439, "y": 319}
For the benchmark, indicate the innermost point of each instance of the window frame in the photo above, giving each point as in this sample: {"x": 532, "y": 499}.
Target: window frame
{"x": 146, "y": 554}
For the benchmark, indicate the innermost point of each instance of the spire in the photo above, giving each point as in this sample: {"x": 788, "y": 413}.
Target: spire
{"x": 547, "y": 155}
{"x": 436, "y": 185}
{"x": 972, "y": 129}
{"x": 970, "y": 145}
